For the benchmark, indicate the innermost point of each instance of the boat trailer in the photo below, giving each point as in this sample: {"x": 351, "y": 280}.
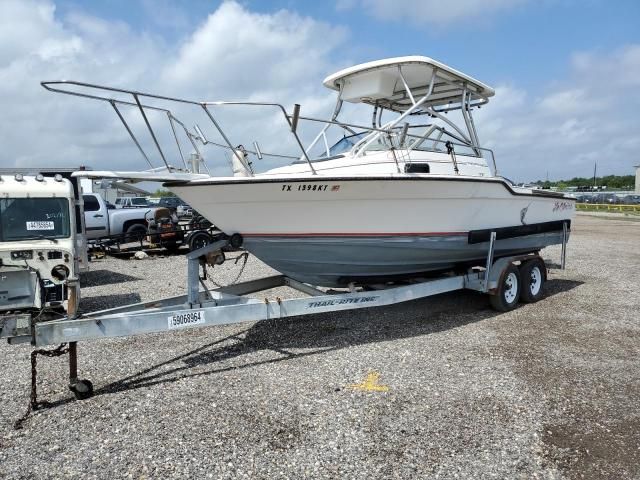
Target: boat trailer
{"x": 229, "y": 305}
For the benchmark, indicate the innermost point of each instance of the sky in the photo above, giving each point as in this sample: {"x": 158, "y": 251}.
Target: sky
{"x": 566, "y": 73}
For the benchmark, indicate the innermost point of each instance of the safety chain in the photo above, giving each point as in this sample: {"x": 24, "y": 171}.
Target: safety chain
{"x": 244, "y": 255}
{"x": 33, "y": 402}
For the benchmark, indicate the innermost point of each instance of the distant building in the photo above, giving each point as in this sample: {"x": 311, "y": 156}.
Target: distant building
{"x": 637, "y": 178}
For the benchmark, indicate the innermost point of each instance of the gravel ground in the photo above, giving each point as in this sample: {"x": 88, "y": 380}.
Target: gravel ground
{"x": 549, "y": 390}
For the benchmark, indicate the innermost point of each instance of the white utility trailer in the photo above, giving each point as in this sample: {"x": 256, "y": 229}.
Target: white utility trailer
{"x": 507, "y": 280}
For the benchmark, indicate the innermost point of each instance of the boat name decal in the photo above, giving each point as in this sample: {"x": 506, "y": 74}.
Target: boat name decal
{"x": 523, "y": 213}
{"x": 560, "y": 206}
{"x": 305, "y": 187}
{"x": 342, "y": 301}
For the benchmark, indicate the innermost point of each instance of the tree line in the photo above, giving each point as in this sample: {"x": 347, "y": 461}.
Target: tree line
{"x": 612, "y": 182}
{"x": 161, "y": 192}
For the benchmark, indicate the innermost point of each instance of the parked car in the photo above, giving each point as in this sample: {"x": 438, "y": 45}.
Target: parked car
{"x": 172, "y": 203}
{"x": 631, "y": 200}
{"x": 607, "y": 198}
{"x": 184, "y": 210}
{"x": 131, "y": 202}
{"x": 102, "y": 222}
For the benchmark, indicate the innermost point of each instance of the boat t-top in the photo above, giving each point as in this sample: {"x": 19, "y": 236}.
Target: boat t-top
{"x": 404, "y": 193}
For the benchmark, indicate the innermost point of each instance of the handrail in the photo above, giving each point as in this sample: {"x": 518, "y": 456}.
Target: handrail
{"x": 53, "y": 86}
{"x": 287, "y": 117}
{"x": 389, "y": 129}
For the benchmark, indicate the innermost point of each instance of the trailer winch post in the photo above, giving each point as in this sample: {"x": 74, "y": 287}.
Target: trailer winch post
{"x": 193, "y": 270}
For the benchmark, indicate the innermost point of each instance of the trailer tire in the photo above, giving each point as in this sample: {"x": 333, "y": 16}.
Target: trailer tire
{"x": 199, "y": 240}
{"x": 508, "y": 291}
{"x": 533, "y": 274}
{"x": 135, "y": 232}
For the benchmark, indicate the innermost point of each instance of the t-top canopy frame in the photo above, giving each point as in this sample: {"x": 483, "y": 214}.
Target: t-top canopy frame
{"x": 394, "y": 83}
{"x": 404, "y": 85}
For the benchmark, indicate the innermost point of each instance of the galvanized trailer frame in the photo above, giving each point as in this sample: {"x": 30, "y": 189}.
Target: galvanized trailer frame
{"x": 228, "y": 305}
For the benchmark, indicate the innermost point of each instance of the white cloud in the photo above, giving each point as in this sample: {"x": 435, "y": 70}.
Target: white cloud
{"x": 239, "y": 54}
{"x": 433, "y": 12}
{"x": 620, "y": 68}
{"x": 234, "y": 54}
{"x": 590, "y": 116}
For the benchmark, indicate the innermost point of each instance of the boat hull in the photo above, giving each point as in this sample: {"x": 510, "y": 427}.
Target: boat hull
{"x": 338, "y": 261}
{"x": 333, "y": 231}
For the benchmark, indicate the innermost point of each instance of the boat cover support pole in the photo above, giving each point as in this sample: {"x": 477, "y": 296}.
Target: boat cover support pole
{"x": 563, "y": 260}
{"x": 406, "y": 85}
{"x": 226, "y": 140}
{"x": 173, "y": 129}
{"x": 293, "y": 123}
{"x": 492, "y": 241}
{"x": 133, "y": 137}
{"x": 464, "y": 101}
{"x": 153, "y": 135}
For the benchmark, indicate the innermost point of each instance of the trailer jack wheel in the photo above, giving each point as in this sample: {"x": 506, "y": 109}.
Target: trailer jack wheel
{"x": 82, "y": 389}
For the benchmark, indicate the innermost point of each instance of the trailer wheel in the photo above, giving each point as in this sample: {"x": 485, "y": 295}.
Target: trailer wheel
{"x": 199, "y": 240}
{"x": 533, "y": 274}
{"x": 82, "y": 389}
{"x": 508, "y": 291}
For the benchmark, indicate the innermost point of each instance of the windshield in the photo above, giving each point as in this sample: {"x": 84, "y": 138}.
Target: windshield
{"x": 346, "y": 143}
{"x": 139, "y": 202}
{"x": 33, "y": 218}
{"x": 424, "y": 137}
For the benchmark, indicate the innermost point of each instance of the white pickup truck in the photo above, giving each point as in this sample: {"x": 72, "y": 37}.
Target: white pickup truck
{"x": 101, "y": 221}
{"x": 131, "y": 202}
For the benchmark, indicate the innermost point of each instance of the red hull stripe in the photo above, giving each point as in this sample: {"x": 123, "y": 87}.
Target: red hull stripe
{"x": 403, "y": 234}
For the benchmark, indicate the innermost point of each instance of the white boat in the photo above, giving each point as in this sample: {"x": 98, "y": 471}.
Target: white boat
{"x": 401, "y": 198}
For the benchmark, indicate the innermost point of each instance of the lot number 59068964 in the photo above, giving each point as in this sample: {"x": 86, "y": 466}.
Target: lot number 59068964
{"x": 186, "y": 319}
